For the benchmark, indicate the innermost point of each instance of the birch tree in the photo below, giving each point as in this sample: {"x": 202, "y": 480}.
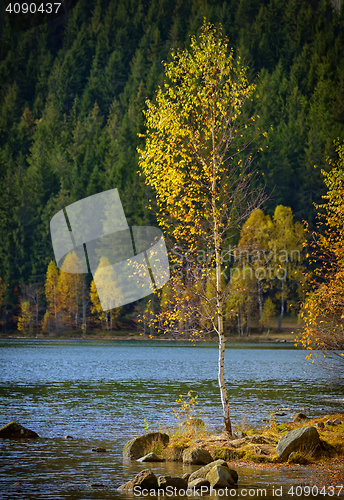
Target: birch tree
{"x": 196, "y": 159}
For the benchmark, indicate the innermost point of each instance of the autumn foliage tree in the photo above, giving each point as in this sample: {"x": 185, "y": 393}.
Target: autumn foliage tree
{"x": 111, "y": 288}
{"x": 51, "y": 317}
{"x": 196, "y": 162}
{"x": 323, "y": 312}
{"x": 67, "y": 297}
{"x": 272, "y": 248}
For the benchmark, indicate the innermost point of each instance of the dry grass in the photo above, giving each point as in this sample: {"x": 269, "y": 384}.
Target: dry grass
{"x": 184, "y": 435}
{"x": 259, "y": 445}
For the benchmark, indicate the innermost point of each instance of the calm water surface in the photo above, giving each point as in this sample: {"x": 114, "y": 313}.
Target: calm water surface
{"x": 99, "y": 392}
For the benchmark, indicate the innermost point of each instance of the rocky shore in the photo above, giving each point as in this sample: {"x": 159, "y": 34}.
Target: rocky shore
{"x": 304, "y": 442}
{"x": 312, "y": 445}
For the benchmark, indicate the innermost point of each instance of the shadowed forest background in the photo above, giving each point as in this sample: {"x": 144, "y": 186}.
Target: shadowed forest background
{"x": 72, "y": 95}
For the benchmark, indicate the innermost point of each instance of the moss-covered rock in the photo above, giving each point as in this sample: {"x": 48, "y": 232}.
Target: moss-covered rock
{"x": 13, "y": 430}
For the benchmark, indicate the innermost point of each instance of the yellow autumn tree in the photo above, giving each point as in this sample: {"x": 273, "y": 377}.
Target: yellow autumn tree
{"x": 287, "y": 239}
{"x": 96, "y": 307}
{"x": 26, "y": 318}
{"x": 51, "y": 317}
{"x": 323, "y": 311}
{"x": 254, "y": 250}
{"x": 195, "y": 160}
{"x": 111, "y": 292}
{"x": 70, "y": 292}
{"x": 272, "y": 247}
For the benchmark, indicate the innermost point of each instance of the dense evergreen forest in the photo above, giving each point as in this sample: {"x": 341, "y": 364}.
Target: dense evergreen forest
{"x": 72, "y": 95}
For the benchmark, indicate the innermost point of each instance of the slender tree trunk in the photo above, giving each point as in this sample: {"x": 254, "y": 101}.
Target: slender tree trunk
{"x": 55, "y": 308}
{"x": 239, "y": 321}
{"x": 219, "y": 307}
{"x": 84, "y": 305}
{"x": 37, "y": 296}
{"x": 260, "y": 304}
{"x": 282, "y": 307}
{"x": 248, "y": 320}
{"x": 76, "y": 302}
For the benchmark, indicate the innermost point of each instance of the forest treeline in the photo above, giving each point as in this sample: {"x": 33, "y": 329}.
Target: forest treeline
{"x": 72, "y": 95}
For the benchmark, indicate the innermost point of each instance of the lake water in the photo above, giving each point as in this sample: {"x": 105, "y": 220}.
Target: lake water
{"x": 99, "y": 392}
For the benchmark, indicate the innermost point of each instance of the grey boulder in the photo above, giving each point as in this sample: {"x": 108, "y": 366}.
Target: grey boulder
{"x": 196, "y": 456}
{"x": 302, "y": 438}
{"x": 145, "y": 479}
{"x": 203, "y": 471}
{"x": 220, "y": 477}
{"x": 175, "y": 482}
{"x": 137, "y": 447}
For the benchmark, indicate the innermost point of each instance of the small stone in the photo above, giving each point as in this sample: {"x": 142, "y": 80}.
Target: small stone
{"x": 67, "y": 436}
{"x": 320, "y": 425}
{"x": 328, "y": 422}
{"x": 150, "y": 457}
{"x": 17, "y": 485}
{"x": 99, "y": 449}
{"x": 299, "y": 417}
{"x": 279, "y": 413}
{"x": 336, "y": 421}
{"x": 238, "y": 434}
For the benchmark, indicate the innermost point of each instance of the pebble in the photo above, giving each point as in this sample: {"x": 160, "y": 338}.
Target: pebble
{"x": 96, "y": 485}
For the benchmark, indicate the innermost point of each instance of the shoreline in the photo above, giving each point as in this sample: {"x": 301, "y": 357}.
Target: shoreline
{"x": 273, "y": 338}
